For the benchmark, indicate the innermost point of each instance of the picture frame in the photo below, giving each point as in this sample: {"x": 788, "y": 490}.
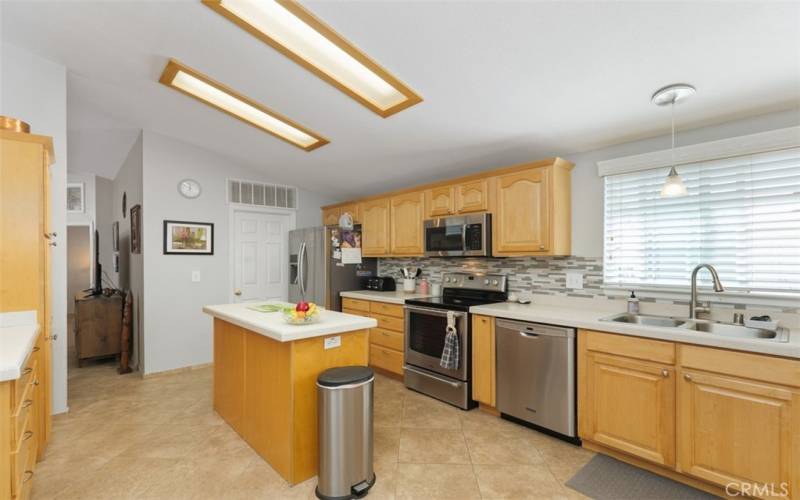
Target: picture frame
{"x": 188, "y": 238}
{"x": 136, "y": 229}
{"x": 75, "y": 197}
{"x": 115, "y": 236}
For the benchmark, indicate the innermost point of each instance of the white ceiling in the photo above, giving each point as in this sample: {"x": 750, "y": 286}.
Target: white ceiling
{"x": 502, "y": 82}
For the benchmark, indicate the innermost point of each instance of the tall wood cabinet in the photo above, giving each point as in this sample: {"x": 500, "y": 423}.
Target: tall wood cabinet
{"x": 25, "y": 239}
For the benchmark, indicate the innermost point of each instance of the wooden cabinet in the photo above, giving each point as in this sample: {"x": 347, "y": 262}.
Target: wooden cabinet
{"x": 98, "y": 325}
{"x": 387, "y": 341}
{"x": 440, "y": 201}
{"x": 330, "y": 216}
{"x": 25, "y": 286}
{"x": 521, "y": 219}
{"x": 353, "y": 210}
{"x": 406, "y": 224}
{"x": 472, "y": 196}
{"x": 484, "y": 376}
{"x": 229, "y": 373}
{"x": 375, "y": 227}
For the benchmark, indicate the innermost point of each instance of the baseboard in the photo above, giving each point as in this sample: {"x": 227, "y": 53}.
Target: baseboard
{"x": 173, "y": 371}
{"x": 658, "y": 469}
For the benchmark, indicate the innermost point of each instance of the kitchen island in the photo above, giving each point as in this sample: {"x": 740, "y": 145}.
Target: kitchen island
{"x": 265, "y": 373}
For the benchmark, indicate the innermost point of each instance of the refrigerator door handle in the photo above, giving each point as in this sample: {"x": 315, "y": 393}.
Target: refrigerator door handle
{"x": 301, "y": 269}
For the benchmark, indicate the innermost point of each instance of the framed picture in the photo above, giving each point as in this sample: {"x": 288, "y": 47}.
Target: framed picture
{"x": 115, "y": 236}
{"x": 75, "y": 197}
{"x": 136, "y": 229}
{"x": 188, "y": 238}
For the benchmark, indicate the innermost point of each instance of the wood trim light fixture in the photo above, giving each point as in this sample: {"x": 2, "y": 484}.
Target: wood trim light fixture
{"x": 195, "y": 84}
{"x": 295, "y": 32}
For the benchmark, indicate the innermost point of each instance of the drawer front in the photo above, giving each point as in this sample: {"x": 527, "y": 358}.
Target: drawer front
{"x": 19, "y": 419}
{"x": 387, "y": 359}
{"x": 761, "y": 367}
{"x": 19, "y": 385}
{"x": 355, "y": 304}
{"x": 632, "y": 347}
{"x": 394, "y": 310}
{"x": 23, "y": 458}
{"x": 355, "y": 312}
{"x": 387, "y": 338}
{"x": 389, "y": 322}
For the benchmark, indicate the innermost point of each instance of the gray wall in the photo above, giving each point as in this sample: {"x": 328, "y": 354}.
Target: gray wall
{"x": 104, "y": 217}
{"x": 34, "y": 90}
{"x": 131, "y": 267}
{"x": 79, "y": 259}
{"x": 587, "y": 186}
{"x": 177, "y": 333}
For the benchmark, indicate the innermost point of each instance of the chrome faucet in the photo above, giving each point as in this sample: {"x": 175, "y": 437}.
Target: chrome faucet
{"x": 694, "y": 306}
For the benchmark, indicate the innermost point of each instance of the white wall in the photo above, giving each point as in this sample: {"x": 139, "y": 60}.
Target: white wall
{"x": 177, "y": 333}
{"x": 103, "y": 218}
{"x": 35, "y": 90}
{"x": 131, "y": 266}
{"x": 587, "y": 186}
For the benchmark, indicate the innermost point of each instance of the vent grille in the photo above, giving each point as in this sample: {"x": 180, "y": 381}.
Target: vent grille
{"x": 261, "y": 194}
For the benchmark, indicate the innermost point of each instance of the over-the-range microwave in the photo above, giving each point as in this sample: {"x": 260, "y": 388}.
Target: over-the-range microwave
{"x": 459, "y": 236}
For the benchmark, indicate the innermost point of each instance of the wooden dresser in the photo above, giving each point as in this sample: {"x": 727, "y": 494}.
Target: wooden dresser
{"x": 25, "y": 244}
{"x": 98, "y": 325}
{"x": 387, "y": 341}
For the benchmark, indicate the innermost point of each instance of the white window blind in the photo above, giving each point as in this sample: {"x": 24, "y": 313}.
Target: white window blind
{"x": 742, "y": 215}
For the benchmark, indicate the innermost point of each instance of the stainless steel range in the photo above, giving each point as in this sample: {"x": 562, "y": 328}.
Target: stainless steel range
{"x": 426, "y": 330}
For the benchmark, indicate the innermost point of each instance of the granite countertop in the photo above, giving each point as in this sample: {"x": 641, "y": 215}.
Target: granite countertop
{"x": 18, "y": 332}
{"x": 272, "y": 324}
{"x": 396, "y": 297}
{"x": 590, "y": 319}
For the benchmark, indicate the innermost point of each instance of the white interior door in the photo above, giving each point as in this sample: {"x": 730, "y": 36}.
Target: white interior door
{"x": 260, "y": 256}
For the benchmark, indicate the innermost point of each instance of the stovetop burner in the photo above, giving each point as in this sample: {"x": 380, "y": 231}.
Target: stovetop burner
{"x": 464, "y": 290}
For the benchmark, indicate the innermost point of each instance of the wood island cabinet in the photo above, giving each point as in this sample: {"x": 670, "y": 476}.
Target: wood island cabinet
{"x": 406, "y": 224}
{"x": 375, "y": 226}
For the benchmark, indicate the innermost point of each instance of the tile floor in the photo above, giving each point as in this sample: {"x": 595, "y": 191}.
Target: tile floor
{"x": 158, "y": 438}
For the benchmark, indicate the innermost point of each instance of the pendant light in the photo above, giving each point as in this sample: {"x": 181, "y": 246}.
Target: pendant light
{"x": 669, "y": 95}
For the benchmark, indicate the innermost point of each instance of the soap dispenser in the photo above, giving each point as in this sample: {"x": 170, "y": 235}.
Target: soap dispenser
{"x": 633, "y": 304}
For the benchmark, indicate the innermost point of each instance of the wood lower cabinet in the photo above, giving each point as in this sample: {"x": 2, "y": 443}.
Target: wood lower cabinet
{"x": 406, "y": 224}
{"x": 440, "y": 201}
{"x": 484, "y": 376}
{"x": 387, "y": 341}
{"x": 375, "y": 224}
{"x": 472, "y": 196}
{"x": 711, "y": 417}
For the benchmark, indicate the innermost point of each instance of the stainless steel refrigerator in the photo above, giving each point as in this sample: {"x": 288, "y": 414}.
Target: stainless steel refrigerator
{"x": 317, "y": 274}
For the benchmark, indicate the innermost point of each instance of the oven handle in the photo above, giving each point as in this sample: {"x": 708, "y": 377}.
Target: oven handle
{"x": 426, "y": 374}
{"x": 437, "y": 312}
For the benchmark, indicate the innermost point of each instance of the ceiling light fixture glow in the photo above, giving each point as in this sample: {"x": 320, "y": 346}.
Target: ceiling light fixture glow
{"x": 217, "y": 95}
{"x": 668, "y": 96}
{"x": 289, "y": 28}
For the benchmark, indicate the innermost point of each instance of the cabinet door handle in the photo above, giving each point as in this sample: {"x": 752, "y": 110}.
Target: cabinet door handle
{"x": 28, "y": 476}
{"x": 687, "y": 377}
{"x": 665, "y": 373}
{"x": 27, "y": 370}
{"x": 27, "y": 403}
{"x": 35, "y": 349}
{"x": 53, "y": 244}
{"x": 27, "y": 435}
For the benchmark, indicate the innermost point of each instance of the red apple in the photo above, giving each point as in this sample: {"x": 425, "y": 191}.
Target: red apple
{"x": 301, "y": 306}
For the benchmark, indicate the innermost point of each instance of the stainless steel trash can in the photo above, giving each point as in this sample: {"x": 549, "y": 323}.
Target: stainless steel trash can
{"x": 344, "y": 402}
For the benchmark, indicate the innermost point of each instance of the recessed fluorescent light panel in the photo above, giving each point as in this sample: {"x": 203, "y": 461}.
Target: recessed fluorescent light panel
{"x": 217, "y": 95}
{"x": 288, "y": 27}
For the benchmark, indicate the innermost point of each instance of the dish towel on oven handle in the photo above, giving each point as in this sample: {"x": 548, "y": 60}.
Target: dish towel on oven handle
{"x": 450, "y": 352}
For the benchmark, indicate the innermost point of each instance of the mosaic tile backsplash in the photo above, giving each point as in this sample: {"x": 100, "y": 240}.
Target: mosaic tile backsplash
{"x": 538, "y": 275}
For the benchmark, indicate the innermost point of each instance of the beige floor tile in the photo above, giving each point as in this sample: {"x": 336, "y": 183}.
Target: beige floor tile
{"x": 517, "y": 482}
{"x": 386, "y": 445}
{"x": 433, "y": 446}
{"x": 489, "y": 447}
{"x": 422, "y": 412}
{"x": 436, "y": 482}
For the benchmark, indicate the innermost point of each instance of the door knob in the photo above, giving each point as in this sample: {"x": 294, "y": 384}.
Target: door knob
{"x": 237, "y": 292}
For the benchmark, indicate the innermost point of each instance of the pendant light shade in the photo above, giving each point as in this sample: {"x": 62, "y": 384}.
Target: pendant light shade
{"x": 674, "y": 185}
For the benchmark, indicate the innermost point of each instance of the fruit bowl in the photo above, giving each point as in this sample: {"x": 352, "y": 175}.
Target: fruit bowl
{"x": 301, "y": 314}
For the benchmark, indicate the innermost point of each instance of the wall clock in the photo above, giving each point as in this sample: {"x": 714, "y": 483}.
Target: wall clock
{"x": 189, "y": 188}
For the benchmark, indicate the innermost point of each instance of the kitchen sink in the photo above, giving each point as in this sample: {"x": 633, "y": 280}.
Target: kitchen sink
{"x": 642, "y": 319}
{"x": 701, "y": 326}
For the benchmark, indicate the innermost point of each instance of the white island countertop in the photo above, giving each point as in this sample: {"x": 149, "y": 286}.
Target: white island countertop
{"x": 18, "y": 332}
{"x": 590, "y": 319}
{"x": 396, "y": 297}
{"x": 272, "y": 324}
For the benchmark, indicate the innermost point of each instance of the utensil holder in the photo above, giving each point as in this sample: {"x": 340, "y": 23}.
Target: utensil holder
{"x": 409, "y": 284}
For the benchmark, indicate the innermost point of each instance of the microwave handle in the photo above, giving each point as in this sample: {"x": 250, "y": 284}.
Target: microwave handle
{"x": 464, "y": 237}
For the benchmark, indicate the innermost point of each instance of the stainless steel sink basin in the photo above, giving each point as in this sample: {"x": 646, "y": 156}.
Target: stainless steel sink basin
{"x": 738, "y": 331}
{"x": 643, "y": 319}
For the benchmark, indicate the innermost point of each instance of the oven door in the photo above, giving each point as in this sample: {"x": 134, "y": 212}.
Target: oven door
{"x": 425, "y": 335}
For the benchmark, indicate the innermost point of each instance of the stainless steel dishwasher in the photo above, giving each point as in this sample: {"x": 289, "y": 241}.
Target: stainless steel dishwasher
{"x": 536, "y": 374}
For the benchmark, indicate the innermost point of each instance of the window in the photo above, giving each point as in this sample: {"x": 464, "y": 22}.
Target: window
{"x": 742, "y": 215}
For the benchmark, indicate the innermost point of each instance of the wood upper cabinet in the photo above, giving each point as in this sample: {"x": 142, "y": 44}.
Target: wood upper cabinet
{"x": 439, "y": 201}
{"x": 375, "y": 227}
{"x": 472, "y": 196}
{"x": 353, "y": 210}
{"x": 330, "y": 216}
{"x": 522, "y": 216}
{"x": 484, "y": 375}
{"x": 406, "y": 224}
{"x": 629, "y": 405}
{"x": 737, "y": 431}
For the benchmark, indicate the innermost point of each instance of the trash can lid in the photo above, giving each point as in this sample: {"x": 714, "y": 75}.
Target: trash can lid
{"x": 344, "y": 375}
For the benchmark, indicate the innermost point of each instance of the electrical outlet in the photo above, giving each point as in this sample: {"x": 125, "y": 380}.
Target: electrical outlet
{"x": 195, "y": 276}
{"x": 575, "y": 280}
